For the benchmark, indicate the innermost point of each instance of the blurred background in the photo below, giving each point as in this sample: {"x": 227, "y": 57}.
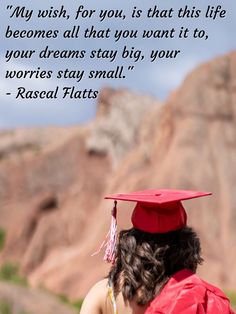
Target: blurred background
{"x": 167, "y": 125}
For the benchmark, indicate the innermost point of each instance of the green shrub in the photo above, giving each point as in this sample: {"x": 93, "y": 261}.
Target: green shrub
{"x": 75, "y": 304}
{"x": 2, "y": 238}
{"x": 63, "y": 298}
{"x": 5, "y": 307}
{"x": 232, "y": 296}
{"x": 9, "y": 272}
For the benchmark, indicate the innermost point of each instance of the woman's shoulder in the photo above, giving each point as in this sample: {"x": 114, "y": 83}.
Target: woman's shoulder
{"x": 101, "y": 284}
{"x": 99, "y": 289}
{"x": 94, "y": 299}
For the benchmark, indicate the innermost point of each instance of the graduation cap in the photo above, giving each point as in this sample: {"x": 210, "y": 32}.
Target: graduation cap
{"x": 156, "y": 211}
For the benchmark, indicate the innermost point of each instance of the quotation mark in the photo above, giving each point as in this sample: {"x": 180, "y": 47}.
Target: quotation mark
{"x": 131, "y": 67}
{"x": 9, "y": 7}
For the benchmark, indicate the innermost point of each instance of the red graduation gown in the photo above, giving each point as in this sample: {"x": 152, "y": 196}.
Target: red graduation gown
{"x": 185, "y": 293}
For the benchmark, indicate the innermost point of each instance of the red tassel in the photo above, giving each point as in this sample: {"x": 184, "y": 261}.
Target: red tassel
{"x": 110, "y": 244}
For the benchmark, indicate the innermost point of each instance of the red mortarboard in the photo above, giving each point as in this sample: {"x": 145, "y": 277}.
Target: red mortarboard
{"x": 156, "y": 211}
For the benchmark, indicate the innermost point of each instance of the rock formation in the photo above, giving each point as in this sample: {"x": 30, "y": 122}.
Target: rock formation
{"x": 117, "y": 127}
{"x": 51, "y": 185}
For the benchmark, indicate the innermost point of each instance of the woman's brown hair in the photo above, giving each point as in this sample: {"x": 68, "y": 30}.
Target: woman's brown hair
{"x": 144, "y": 262}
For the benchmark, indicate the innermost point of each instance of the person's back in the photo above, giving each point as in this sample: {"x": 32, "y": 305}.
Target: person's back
{"x": 189, "y": 295}
{"x": 100, "y": 300}
{"x": 184, "y": 293}
{"x": 143, "y": 265}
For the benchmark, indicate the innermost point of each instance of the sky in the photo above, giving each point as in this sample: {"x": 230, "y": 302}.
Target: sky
{"x": 156, "y": 78}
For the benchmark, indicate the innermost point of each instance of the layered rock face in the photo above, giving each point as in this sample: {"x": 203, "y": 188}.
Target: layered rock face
{"x": 119, "y": 120}
{"x": 52, "y": 181}
{"x": 56, "y": 191}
